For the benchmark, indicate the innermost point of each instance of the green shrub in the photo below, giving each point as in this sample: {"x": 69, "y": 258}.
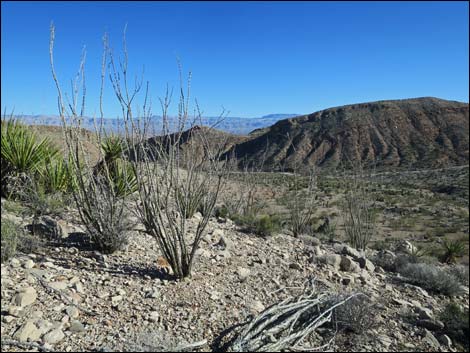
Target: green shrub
{"x": 57, "y": 176}
{"x": 265, "y": 225}
{"x": 14, "y": 239}
{"x": 456, "y": 324}
{"x": 452, "y": 250}
{"x": 9, "y": 238}
{"x": 22, "y": 153}
{"x": 461, "y": 273}
{"x": 221, "y": 211}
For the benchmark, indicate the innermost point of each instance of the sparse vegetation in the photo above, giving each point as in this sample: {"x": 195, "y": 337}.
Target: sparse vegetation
{"x": 456, "y": 324}
{"x": 432, "y": 278}
{"x": 10, "y": 237}
{"x": 452, "y": 250}
{"x": 358, "y": 214}
{"x": 23, "y": 154}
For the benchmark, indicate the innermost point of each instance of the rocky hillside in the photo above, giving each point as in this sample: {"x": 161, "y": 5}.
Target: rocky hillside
{"x": 67, "y": 297}
{"x": 421, "y": 132}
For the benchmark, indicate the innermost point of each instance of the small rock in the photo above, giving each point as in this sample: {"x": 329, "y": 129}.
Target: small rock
{"x": 256, "y": 307}
{"x": 76, "y": 326}
{"x": 16, "y": 311}
{"x": 79, "y": 287}
{"x": 8, "y": 318}
{"x": 347, "y": 250}
{"x": 26, "y": 296}
{"x": 243, "y": 273}
{"x": 333, "y": 260}
{"x": 14, "y": 262}
{"x": 72, "y": 311}
{"x": 154, "y": 316}
{"x": 54, "y": 336}
{"x": 116, "y": 299}
{"x": 27, "y": 331}
{"x": 28, "y": 264}
{"x": 295, "y": 266}
{"x": 59, "y": 285}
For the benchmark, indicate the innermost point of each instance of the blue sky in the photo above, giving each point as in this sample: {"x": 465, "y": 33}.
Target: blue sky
{"x": 253, "y": 58}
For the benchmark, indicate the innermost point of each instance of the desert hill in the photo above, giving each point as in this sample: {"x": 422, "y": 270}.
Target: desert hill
{"x": 420, "y": 132}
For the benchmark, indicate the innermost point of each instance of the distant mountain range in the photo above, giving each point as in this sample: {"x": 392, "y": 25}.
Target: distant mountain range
{"x": 234, "y": 125}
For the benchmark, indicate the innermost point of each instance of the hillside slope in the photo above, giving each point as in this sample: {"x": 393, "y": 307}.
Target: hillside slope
{"x": 420, "y": 132}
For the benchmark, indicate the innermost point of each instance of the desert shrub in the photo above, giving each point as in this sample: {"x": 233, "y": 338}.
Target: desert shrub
{"x": 221, "y": 211}
{"x": 267, "y": 225}
{"x": 461, "y": 273}
{"x": 356, "y": 315}
{"x": 264, "y": 225}
{"x": 33, "y": 194}
{"x": 432, "y": 278}
{"x": 106, "y": 217}
{"x": 9, "y": 238}
{"x": 456, "y": 324}
{"x": 329, "y": 230}
{"x": 22, "y": 153}
{"x": 451, "y": 250}
{"x": 301, "y": 203}
{"x": 14, "y": 239}
{"x": 358, "y": 213}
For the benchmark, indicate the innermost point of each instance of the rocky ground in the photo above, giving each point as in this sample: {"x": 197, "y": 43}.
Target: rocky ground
{"x": 67, "y": 297}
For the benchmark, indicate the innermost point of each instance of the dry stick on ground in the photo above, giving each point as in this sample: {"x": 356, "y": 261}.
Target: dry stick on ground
{"x": 26, "y": 345}
{"x": 286, "y": 324}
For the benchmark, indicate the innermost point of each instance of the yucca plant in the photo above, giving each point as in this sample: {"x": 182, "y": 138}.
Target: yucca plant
{"x": 22, "y": 152}
{"x": 452, "y": 250}
{"x": 189, "y": 200}
{"x": 56, "y": 176}
{"x": 123, "y": 178}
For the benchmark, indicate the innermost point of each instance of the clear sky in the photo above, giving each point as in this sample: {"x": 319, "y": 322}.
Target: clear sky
{"x": 253, "y": 58}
